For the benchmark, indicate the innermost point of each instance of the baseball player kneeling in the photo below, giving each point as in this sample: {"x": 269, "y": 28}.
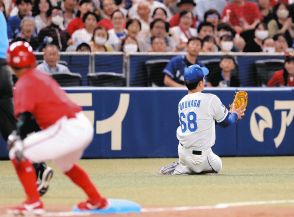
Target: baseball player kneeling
{"x": 65, "y": 132}
{"x": 198, "y": 113}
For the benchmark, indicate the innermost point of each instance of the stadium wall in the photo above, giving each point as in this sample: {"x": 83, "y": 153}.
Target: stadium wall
{"x": 142, "y": 122}
{"x": 134, "y": 68}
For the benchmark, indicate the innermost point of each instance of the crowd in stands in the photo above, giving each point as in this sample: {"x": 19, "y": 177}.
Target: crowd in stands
{"x": 153, "y": 26}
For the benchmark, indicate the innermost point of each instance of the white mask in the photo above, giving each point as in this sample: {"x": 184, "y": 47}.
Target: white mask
{"x": 130, "y": 48}
{"x": 282, "y": 13}
{"x": 269, "y": 49}
{"x": 100, "y": 40}
{"x": 227, "y": 45}
{"x": 261, "y": 34}
{"x": 57, "y": 20}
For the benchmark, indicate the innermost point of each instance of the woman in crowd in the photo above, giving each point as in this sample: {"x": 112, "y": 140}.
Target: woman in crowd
{"x": 183, "y": 31}
{"x": 118, "y": 32}
{"x": 42, "y": 12}
{"x": 99, "y": 40}
{"x": 260, "y": 33}
{"x": 282, "y": 23}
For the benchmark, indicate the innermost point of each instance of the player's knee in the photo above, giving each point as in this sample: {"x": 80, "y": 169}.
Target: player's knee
{"x": 215, "y": 163}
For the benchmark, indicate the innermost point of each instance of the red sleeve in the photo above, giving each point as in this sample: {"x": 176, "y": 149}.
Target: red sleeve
{"x": 106, "y": 23}
{"x": 274, "y": 80}
{"x": 174, "y": 21}
{"x": 256, "y": 12}
{"x": 25, "y": 98}
{"x": 74, "y": 25}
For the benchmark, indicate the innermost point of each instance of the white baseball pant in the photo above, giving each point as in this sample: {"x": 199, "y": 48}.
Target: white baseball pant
{"x": 192, "y": 161}
{"x": 63, "y": 142}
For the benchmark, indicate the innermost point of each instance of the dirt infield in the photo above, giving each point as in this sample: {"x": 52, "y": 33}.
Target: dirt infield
{"x": 248, "y": 211}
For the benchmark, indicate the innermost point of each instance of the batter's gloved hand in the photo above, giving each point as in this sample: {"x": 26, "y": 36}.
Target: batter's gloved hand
{"x": 18, "y": 150}
{"x": 12, "y": 138}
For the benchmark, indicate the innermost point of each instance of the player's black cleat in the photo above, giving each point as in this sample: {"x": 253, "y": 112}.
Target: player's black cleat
{"x": 44, "y": 181}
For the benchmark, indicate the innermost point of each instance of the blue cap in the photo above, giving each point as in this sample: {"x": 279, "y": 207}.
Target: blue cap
{"x": 195, "y": 73}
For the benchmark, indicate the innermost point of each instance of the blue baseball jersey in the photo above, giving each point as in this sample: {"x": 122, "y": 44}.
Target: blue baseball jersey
{"x": 175, "y": 68}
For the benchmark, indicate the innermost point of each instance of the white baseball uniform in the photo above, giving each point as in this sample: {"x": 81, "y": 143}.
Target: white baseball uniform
{"x": 196, "y": 133}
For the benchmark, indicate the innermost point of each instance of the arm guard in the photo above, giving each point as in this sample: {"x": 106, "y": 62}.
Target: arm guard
{"x": 26, "y": 124}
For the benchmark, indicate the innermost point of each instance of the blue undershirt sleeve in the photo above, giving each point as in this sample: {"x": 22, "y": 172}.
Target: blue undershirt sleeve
{"x": 229, "y": 120}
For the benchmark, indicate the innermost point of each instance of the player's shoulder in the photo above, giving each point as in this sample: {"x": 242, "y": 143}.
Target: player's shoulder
{"x": 209, "y": 95}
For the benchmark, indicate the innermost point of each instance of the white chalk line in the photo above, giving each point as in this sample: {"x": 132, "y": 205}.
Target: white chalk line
{"x": 183, "y": 208}
{"x": 218, "y": 206}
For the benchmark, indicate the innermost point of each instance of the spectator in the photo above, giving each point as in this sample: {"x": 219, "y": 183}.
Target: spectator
{"x": 174, "y": 70}
{"x": 159, "y": 13}
{"x": 226, "y": 77}
{"x": 282, "y": 23}
{"x": 108, "y": 7}
{"x": 266, "y": 11}
{"x": 54, "y": 31}
{"x": 209, "y": 44}
{"x": 24, "y": 7}
{"x": 268, "y": 45}
{"x": 281, "y": 44}
{"x": 226, "y": 29}
{"x": 284, "y": 77}
{"x": 158, "y": 28}
{"x": 134, "y": 27}
{"x": 133, "y": 11}
{"x": 204, "y": 6}
{"x": 118, "y": 33}
{"x": 144, "y": 15}
{"x": 83, "y": 48}
{"x": 183, "y": 32}
{"x": 50, "y": 63}
{"x": 242, "y": 15}
{"x": 129, "y": 45}
{"x": 205, "y": 29}
{"x": 183, "y": 5}
{"x": 226, "y": 43}
{"x": 27, "y": 30}
{"x": 77, "y": 23}
{"x": 85, "y": 34}
{"x": 158, "y": 44}
{"x": 42, "y": 12}
{"x": 69, "y": 9}
{"x": 260, "y": 34}
{"x": 99, "y": 40}
{"x": 212, "y": 16}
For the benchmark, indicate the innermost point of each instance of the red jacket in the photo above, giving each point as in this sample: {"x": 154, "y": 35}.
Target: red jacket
{"x": 278, "y": 80}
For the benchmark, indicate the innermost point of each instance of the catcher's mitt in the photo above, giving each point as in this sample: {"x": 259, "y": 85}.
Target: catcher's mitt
{"x": 240, "y": 99}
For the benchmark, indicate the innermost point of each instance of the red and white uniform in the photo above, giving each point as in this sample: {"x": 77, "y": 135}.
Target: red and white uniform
{"x": 66, "y": 131}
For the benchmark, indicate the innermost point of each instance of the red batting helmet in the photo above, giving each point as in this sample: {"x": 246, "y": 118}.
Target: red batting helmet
{"x": 20, "y": 54}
